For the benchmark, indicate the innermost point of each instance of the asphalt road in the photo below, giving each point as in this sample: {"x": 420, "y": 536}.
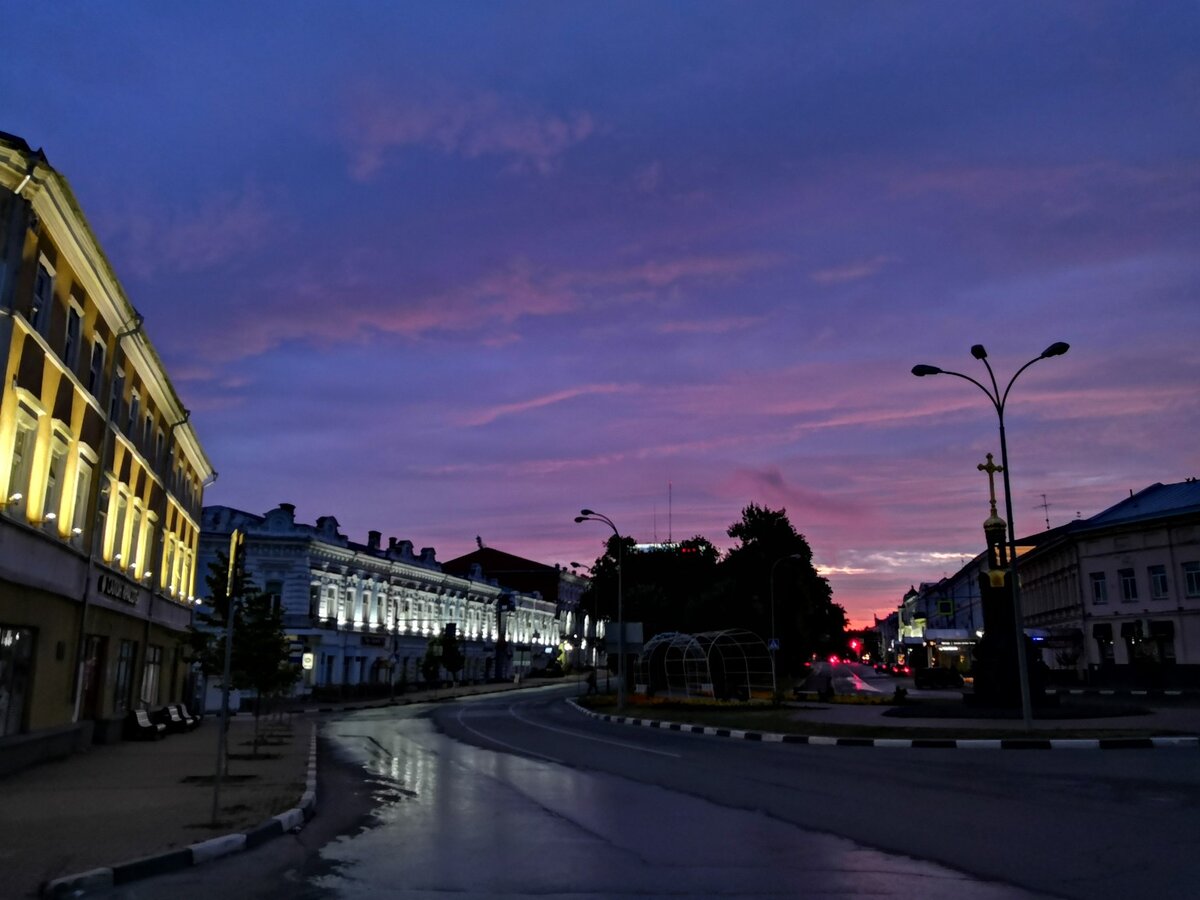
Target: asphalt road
{"x": 520, "y": 795}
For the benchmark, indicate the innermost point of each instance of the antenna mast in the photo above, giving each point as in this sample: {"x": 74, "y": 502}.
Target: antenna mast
{"x": 1045, "y": 508}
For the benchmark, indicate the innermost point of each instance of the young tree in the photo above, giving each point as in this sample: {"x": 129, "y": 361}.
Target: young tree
{"x": 260, "y": 647}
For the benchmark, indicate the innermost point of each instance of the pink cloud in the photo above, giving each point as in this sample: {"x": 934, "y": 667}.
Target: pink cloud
{"x": 708, "y": 326}
{"x": 487, "y": 416}
{"x": 458, "y": 122}
{"x": 855, "y": 271}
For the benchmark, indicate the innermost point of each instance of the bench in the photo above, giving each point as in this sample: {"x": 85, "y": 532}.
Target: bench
{"x": 138, "y": 726}
{"x": 188, "y": 719}
{"x": 170, "y": 718}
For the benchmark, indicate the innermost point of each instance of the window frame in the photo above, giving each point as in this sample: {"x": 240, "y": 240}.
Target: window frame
{"x": 42, "y": 306}
{"x": 73, "y": 335}
{"x": 1160, "y": 585}
{"x": 1128, "y": 579}
{"x": 1099, "y": 584}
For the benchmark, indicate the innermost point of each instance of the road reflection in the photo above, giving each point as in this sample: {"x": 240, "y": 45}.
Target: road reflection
{"x": 457, "y": 818}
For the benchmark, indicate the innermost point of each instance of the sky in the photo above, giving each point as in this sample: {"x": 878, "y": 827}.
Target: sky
{"x": 448, "y": 270}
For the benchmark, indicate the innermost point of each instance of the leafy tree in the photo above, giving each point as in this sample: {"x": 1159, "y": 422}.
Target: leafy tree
{"x": 772, "y": 554}
{"x": 697, "y": 589}
{"x": 260, "y": 646}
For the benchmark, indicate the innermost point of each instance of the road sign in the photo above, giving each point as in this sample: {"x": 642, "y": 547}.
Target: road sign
{"x": 773, "y": 644}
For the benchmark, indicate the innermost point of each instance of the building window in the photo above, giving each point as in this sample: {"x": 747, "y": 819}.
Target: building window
{"x": 158, "y": 449}
{"x": 1158, "y": 582}
{"x": 43, "y": 298}
{"x": 134, "y": 414}
{"x": 54, "y": 484}
{"x": 1128, "y": 585}
{"x": 20, "y": 467}
{"x": 118, "y": 397}
{"x": 118, "y": 533}
{"x": 1099, "y": 588}
{"x": 274, "y": 592}
{"x": 151, "y": 676}
{"x": 147, "y": 432}
{"x": 79, "y": 518}
{"x": 126, "y": 651}
{"x": 16, "y": 656}
{"x": 71, "y": 342}
{"x": 1191, "y": 579}
{"x": 96, "y": 368}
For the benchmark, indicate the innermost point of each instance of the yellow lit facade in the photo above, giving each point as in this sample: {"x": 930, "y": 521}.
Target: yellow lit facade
{"x": 101, "y": 479}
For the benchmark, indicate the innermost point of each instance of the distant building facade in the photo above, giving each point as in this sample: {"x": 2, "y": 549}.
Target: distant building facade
{"x": 360, "y": 615}
{"x": 101, "y": 482}
{"x": 581, "y": 635}
{"x": 1113, "y": 599}
{"x": 1116, "y": 598}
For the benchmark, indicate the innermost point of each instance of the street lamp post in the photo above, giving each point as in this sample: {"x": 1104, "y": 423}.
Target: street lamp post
{"x": 587, "y": 515}
{"x": 998, "y": 401}
{"x": 774, "y": 642}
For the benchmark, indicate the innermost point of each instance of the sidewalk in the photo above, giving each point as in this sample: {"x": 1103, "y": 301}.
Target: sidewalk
{"x": 122, "y": 802}
{"x": 134, "y": 800}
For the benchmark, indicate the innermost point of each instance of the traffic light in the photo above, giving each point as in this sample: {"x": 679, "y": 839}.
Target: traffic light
{"x": 237, "y": 563}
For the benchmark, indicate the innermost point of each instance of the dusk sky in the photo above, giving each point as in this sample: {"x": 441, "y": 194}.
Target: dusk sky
{"x": 455, "y": 269}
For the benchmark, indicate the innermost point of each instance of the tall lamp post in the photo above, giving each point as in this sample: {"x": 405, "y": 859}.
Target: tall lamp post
{"x": 587, "y": 515}
{"x": 998, "y": 401}
{"x": 774, "y": 642}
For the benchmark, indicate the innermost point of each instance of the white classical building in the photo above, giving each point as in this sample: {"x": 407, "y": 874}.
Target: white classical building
{"x": 360, "y": 615}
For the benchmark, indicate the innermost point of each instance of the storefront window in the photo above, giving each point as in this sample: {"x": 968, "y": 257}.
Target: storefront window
{"x": 16, "y": 653}
{"x": 151, "y": 674}
{"x": 126, "y": 651}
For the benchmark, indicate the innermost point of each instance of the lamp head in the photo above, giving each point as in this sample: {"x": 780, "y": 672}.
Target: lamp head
{"x": 586, "y": 512}
{"x": 978, "y": 352}
{"x": 579, "y": 519}
{"x": 1058, "y": 348}
{"x": 922, "y": 370}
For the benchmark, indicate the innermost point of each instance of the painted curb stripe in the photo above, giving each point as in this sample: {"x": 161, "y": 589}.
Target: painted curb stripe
{"x": 196, "y": 854}
{"x": 817, "y": 740}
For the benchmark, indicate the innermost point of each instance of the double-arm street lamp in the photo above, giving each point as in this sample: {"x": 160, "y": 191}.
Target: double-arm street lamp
{"x": 588, "y": 515}
{"x": 773, "y": 645}
{"x": 998, "y": 401}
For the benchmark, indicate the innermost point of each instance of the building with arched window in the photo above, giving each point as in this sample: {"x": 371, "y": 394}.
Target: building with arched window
{"x": 101, "y": 480}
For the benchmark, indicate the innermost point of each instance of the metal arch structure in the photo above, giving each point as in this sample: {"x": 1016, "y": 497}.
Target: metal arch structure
{"x": 725, "y": 665}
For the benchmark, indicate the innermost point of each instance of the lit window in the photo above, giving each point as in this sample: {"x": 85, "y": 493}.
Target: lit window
{"x": 1128, "y": 585}
{"x": 83, "y": 484}
{"x": 1158, "y": 582}
{"x": 54, "y": 484}
{"x": 1099, "y": 588}
{"x": 21, "y": 464}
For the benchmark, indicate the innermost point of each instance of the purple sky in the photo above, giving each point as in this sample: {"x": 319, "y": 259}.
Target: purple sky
{"x": 447, "y": 270}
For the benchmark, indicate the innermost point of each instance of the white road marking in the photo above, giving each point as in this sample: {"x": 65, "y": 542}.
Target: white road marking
{"x": 512, "y": 747}
{"x": 575, "y": 734}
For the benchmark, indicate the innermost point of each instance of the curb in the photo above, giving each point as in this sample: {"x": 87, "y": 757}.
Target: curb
{"x": 816, "y": 740}
{"x": 195, "y": 854}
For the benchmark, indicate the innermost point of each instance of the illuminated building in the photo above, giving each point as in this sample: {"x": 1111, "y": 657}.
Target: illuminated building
{"x": 101, "y": 483}
{"x": 560, "y": 591}
{"x": 360, "y": 615}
